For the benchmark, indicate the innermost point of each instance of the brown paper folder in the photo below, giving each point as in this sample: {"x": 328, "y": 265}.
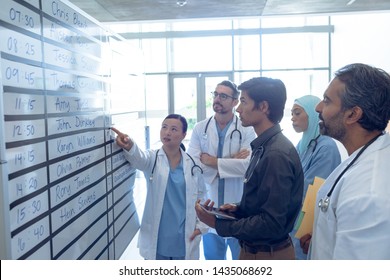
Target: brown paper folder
{"x": 306, "y": 225}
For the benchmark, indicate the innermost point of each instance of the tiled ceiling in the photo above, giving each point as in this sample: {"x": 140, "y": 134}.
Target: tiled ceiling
{"x": 151, "y": 10}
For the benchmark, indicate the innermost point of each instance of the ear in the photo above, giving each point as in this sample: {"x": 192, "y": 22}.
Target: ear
{"x": 353, "y": 115}
{"x": 264, "y": 106}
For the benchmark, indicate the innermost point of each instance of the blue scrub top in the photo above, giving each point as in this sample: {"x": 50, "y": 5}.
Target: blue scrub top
{"x": 221, "y": 142}
{"x": 171, "y": 234}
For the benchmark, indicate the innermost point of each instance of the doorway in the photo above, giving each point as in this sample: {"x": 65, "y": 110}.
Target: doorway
{"x": 190, "y": 95}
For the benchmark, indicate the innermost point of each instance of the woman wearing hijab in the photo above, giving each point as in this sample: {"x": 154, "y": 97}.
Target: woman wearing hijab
{"x": 318, "y": 153}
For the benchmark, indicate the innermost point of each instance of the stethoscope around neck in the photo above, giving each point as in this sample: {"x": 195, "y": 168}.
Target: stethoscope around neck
{"x": 194, "y": 166}
{"x": 313, "y": 143}
{"x": 323, "y": 203}
{"x": 235, "y": 130}
{"x": 307, "y": 156}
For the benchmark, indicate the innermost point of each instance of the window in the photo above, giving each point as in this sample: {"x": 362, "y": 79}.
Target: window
{"x": 295, "y": 50}
{"x": 156, "y": 106}
{"x": 247, "y": 52}
{"x": 201, "y": 54}
{"x": 155, "y": 53}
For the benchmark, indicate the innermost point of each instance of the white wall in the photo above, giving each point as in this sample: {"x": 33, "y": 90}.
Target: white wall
{"x": 361, "y": 38}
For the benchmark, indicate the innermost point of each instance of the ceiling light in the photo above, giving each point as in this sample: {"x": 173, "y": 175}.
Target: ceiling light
{"x": 181, "y": 3}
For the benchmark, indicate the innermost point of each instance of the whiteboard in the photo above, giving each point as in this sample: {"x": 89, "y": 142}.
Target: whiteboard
{"x": 66, "y": 189}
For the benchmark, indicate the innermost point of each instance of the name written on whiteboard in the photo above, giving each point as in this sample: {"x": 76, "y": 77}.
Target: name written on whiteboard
{"x": 80, "y": 122}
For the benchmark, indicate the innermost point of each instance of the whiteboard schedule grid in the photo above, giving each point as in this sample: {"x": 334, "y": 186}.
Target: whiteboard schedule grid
{"x": 64, "y": 193}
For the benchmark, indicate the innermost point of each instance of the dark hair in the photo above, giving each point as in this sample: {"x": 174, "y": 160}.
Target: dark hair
{"x": 271, "y": 90}
{"x": 366, "y": 87}
{"x": 232, "y": 86}
{"x": 180, "y": 118}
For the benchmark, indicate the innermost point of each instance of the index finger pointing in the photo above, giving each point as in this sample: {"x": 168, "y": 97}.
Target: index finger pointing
{"x": 120, "y": 134}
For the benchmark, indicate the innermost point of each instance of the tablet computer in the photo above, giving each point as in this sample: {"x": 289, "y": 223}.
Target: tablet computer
{"x": 219, "y": 213}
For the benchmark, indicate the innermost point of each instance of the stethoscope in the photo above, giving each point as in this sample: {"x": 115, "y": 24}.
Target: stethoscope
{"x": 235, "y": 130}
{"x": 323, "y": 203}
{"x": 258, "y": 154}
{"x": 309, "y": 152}
{"x": 192, "y": 168}
{"x": 314, "y": 142}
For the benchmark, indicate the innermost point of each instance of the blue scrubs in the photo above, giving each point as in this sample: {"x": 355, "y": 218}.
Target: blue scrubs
{"x": 214, "y": 246}
{"x": 320, "y": 162}
{"x": 171, "y": 238}
{"x": 319, "y": 156}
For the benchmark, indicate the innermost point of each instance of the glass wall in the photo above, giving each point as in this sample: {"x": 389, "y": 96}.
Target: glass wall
{"x": 200, "y": 54}
{"x": 293, "y": 49}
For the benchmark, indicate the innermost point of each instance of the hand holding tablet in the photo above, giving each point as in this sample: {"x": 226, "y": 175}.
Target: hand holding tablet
{"x": 221, "y": 214}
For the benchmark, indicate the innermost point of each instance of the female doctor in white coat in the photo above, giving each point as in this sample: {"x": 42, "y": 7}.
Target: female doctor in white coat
{"x": 170, "y": 229}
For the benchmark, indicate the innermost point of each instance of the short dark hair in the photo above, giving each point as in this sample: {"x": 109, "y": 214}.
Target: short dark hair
{"x": 232, "y": 86}
{"x": 180, "y": 118}
{"x": 368, "y": 88}
{"x": 271, "y": 90}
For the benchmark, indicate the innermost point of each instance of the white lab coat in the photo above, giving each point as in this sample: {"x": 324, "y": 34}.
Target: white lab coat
{"x": 195, "y": 189}
{"x": 357, "y": 222}
{"x": 232, "y": 170}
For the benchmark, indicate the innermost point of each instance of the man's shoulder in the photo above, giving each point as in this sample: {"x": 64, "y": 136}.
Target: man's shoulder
{"x": 283, "y": 145}
{"x": 326, "y": 141}
{"x": 200, "y": 125}
{"x": 281, "y": 138}
{"x": 203, "y": 122}
{"x": 386, "y": 139}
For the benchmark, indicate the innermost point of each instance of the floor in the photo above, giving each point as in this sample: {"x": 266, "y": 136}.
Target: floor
{"x": 132, "y": 251}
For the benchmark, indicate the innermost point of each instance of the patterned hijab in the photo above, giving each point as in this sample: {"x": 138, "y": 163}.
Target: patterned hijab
{"x": 308, "y": 103}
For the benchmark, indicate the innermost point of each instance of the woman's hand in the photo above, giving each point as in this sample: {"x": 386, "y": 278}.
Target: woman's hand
{"x": 195, "y": 234}
{"x": 123, "y": 140}
{"x": 304, "y": 241}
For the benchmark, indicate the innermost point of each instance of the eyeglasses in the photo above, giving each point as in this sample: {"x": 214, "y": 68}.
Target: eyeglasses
{"x": 222, "y": 96}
